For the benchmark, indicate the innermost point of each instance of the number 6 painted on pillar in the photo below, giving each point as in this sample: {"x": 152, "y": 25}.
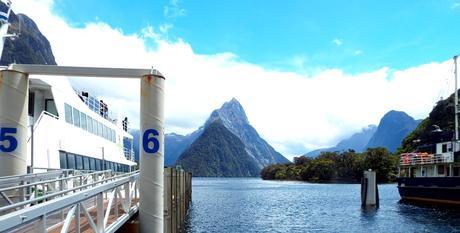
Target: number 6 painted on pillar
{"x": 147, "y": 139}
{"x": 13, "y": 142}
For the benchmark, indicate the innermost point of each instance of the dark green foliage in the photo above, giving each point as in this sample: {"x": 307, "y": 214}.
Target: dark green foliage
{"x": 347, "y": 166}
{"x": 381, "y": 161}
{"x": 442, "y": 115}
{"x": 218, "y": 153}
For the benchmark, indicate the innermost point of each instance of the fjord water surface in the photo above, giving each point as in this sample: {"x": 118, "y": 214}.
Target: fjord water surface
{"x": 254, "y": 205}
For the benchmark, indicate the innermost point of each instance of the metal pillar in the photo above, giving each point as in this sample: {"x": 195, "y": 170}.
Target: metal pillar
{"x": 151, "y": 154}
{"x": 456, "y": 104}
{"x": 14, "y": 97}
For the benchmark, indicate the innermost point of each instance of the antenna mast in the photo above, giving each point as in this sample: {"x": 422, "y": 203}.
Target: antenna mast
{"x": 456, "y": 102}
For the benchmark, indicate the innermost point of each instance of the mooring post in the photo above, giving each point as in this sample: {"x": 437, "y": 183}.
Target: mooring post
{"x": 14, "y": 104}
{"x": 151, "y": 154}
{"x": 369, "y": 189}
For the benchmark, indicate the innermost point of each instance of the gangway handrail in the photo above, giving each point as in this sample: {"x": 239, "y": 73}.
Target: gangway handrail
{"x": 53, "y": 180}
{"x": 51, "y": 195}
{"x": 33, "y": 174}
{"x": 40, "y": 211}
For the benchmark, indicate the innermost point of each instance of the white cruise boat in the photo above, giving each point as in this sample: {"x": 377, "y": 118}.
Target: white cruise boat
{"x": 70, "y": 129}
{"x": 73, "y": 130}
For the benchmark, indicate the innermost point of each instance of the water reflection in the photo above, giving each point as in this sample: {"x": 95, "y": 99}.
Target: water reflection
{"x": 369, "y": 212}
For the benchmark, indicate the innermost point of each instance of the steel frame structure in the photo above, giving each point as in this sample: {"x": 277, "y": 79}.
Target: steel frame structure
{"x": 76, "y": 195}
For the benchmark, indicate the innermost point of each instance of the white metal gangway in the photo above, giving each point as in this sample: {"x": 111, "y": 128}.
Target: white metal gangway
{"x": 68, "y": 200}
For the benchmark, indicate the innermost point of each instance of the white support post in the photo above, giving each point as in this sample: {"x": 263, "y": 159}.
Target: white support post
{"x": 14, "y": 104}
{"x": 100, "y": 213}
{"x": 151, "y": 154}
{"x": 115, "y": 199}
{"x": 68, "y": 219}
{"x": 77, "y": 218}
{"x": 127, "y": 199}
{"x": 41, "y": 224}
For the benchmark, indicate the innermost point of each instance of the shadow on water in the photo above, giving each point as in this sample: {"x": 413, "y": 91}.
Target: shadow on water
{"x": 433, "y": 214}
{"x": 430, "y": 206}
{"x": 187, "y": 220}
{"x": 369, "y": 212}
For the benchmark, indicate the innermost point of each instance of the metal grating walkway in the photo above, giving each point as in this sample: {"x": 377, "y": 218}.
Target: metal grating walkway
{"x": 68, "y": 201}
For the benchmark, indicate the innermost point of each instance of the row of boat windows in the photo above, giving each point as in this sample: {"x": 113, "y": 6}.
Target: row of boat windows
{"x": 79, "y": 162}
{"x": 79, "y": 119}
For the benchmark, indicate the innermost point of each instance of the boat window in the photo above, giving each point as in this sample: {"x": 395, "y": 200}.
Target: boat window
{"x": 63, "y": 159}
{"x": 94, "y": 127}
{"x": 456, "y": 171}
{"x": 83, "y": 121}
{"x": 104, "y": 131}
{"x": 444, "y": 148}
{"x": 99, "y": 130}
{"x": 440, "y": 169}
{"x": 98, "y": 164}
{"x": 107, "y": 165}
{"x": 79, "y": 162}
{"x": 70, "y": 161}
{"x": 86, "y": 163}
{"x": 92, "y": 164}
{"x": 90, "y": 124}
{"x": 76, "y": 117}
{"x": 50, "y": 107}
{"x": 68, "y": 113}
{"x": 31, "y": 103}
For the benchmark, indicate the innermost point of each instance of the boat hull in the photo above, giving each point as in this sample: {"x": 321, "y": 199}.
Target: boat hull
{"x": 436, "y": 190}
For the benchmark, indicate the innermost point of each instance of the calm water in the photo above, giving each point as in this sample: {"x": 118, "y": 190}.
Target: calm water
{"x": 254, "y": 205}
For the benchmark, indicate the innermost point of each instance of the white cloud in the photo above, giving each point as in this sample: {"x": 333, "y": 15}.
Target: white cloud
{"x": 164, "y": 28}
{"x": 357, "y": 52}
{"x": 288, "y": 109}
{"x": 337, "y": 42}
{"x": 173, "y": 10}
{"x": 455, "y": 5}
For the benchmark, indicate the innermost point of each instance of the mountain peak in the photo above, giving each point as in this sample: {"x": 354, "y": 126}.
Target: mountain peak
{"x": 231, "y": 111}
{"x": 393, "y": 128}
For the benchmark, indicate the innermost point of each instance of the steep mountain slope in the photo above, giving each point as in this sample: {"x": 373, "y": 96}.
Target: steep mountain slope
{"x": 135, "y": 133}
{"x": 234, "y": 118}
{"x": 393, "y": 128}
{"x": 356, "y": 142}
{"x": 218, "y": 152}
{"x": 30, "y": 47}
{"x": 442, "y": 115}
{"x": 175, "y": 145}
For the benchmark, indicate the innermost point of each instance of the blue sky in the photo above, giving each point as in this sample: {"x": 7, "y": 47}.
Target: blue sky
{"x": 308, "y": 73}
{"x": 295, "y": 35}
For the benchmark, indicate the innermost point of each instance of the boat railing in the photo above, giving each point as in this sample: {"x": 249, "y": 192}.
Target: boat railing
{"x": 129, "y": 153}
{"x": 423, "y": 158}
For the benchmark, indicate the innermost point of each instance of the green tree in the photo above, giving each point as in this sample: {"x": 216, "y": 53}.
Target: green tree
{"x": 384, "y": 164}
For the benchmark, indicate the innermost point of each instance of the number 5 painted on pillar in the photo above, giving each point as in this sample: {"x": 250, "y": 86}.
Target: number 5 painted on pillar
{"x": 5, "y": 136}
{"x": 148, "y": 139}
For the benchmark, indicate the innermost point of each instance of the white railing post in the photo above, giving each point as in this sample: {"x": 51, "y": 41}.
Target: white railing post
{"x": 41, "y": 224}
{"x": 77, "y": 218}
{"x": 100, "y": 213}
{"x": 127, "y": 197}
